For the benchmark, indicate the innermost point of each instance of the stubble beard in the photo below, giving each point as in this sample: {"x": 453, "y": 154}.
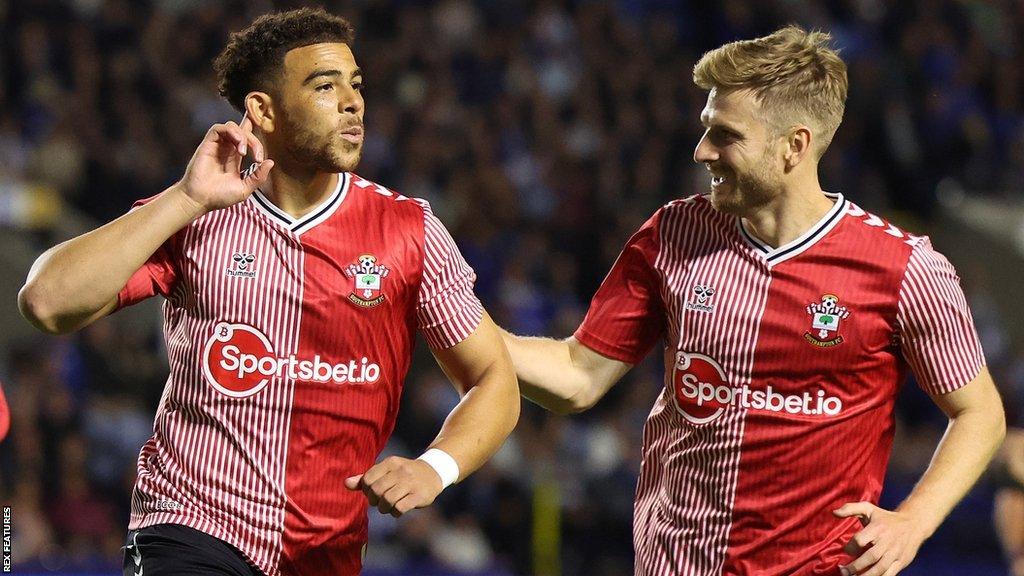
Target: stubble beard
{"x": 751, "y": 190}
{"x": 325, "y": 154}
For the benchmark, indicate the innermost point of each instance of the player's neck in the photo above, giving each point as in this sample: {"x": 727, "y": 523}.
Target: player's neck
{"x": 788, "y": 216}
{"x": 297, "y": 194}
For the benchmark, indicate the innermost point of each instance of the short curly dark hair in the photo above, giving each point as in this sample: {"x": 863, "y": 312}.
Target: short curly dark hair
{"x": 253, "y": 58}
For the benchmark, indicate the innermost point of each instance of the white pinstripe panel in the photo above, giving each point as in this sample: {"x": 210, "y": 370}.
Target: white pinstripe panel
{"x": 447, "y": 310}
{"x": 937, "y": 332}
{"x": 686, "y": 490}
{"x": 224, "y": 458}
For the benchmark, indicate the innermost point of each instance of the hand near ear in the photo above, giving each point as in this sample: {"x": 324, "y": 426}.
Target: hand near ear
{"x": 213, "y": 178}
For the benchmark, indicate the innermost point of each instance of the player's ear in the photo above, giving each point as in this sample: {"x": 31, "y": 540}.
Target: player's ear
{"x": 798, "y": 146}
{"x": 259, "y": 107}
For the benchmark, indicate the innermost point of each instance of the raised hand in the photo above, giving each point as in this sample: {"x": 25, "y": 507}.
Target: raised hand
{"x": 887, "y": 544}
{"x": 397, "y": 485}
{"x": 212, "y": 179}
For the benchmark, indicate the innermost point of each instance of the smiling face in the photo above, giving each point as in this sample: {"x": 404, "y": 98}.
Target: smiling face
{"x": 741, "y": 150}
{"x": 321, "y": 108}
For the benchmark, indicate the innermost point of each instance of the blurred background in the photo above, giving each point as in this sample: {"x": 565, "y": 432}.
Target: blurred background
{"x": 544, "y": 133}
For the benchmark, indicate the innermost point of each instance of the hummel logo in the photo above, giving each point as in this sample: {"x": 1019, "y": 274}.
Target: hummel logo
{"x": 704, "y": 292}
{"x": 242, "y": 260}
{"x": 242, "y": 265}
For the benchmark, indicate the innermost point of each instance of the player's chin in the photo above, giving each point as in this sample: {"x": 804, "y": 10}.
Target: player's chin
{"x": 346, "y": 159}
{"x": 725, "y": 201}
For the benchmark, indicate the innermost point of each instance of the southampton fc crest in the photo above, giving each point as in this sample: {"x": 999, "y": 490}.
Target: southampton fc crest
{"x": 825, "y": 317}
{"x": 367, "y": 277}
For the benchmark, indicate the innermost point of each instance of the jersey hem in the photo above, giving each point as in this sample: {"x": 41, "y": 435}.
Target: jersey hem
{"x": 942, "y": 388}
{"x": 448, "y": 334}
{"x": 138, "y": 522}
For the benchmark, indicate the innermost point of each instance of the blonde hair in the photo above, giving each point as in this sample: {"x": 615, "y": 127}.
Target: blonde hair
{"x": 797, "y": 77}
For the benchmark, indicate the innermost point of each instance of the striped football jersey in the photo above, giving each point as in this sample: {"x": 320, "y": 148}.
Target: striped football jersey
{"x": 781, "y": 370}
{"x": 288, "y": 341}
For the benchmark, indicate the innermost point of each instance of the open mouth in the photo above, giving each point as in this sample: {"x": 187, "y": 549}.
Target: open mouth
{"x": 717, "y": 177}
{"x": 720, "y": 180}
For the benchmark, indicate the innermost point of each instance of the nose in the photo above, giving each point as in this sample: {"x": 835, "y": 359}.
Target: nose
{"x": 705, "y": 151}
{"x": 351, "y": 101}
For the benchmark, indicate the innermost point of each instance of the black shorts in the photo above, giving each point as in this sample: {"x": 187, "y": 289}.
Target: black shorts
{"x": 169, "y": 549}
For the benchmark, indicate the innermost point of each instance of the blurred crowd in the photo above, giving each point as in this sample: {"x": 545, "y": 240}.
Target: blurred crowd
{"x": 543, "y": 133}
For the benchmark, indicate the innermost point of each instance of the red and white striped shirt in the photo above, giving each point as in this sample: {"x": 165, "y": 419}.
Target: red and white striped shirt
{"x": 289, "y": 340}
{"x": 781, "y": 371}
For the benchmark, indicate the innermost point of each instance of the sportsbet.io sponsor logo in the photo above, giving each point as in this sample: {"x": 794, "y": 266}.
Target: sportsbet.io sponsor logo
{"x": 239, "y": 361}
{"x": 701, "y": 393}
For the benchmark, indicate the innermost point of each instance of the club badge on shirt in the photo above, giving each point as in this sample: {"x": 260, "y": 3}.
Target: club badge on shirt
{"x": 825, "y": 318}
{"x": 367, "y": 276}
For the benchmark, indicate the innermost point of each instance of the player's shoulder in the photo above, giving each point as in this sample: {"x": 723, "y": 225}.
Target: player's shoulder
{"x": 885, "y": 243}
{"x": 695, "y": 206}
{"x": 363, "y": 186}
{"x": 385, "y": 199}
{"x": 874, "y": 231}
{"x": 691, "y": 212}
{"x": 694, "y": 203}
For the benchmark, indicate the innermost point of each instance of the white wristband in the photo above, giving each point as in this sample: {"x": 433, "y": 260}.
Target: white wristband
{"x": 442, "y": 463}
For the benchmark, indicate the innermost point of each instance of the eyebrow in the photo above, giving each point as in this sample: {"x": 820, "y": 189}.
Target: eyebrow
{"x": 721, "y": 125}
{"x": 321, "y": 73}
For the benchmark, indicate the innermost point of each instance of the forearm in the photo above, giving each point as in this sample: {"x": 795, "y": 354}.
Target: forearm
{"x": 546, "y": 373}
{"x": 479, "y": 424}
{"x": 968, "y": 445}
{"x": 73, "y": 281}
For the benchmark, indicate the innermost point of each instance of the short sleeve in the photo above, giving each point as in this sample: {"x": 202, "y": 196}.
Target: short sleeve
{"x": 156, "y": 276}
{"x": 936, "y": 331}
{"x": 447, "y": 311}
{"x": 626, "y": 315}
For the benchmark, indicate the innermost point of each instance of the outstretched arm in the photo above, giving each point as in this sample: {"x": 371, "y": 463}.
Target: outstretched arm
{"x": 890, "y": 539}
{"x": 624, "y": 320}
{"x": 480, "y": 370}
{"x": 76, "y": 282}
{"x": 563, "y": 376}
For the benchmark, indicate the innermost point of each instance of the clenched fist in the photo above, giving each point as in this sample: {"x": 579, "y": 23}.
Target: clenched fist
{"x": 397, "y": 485}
